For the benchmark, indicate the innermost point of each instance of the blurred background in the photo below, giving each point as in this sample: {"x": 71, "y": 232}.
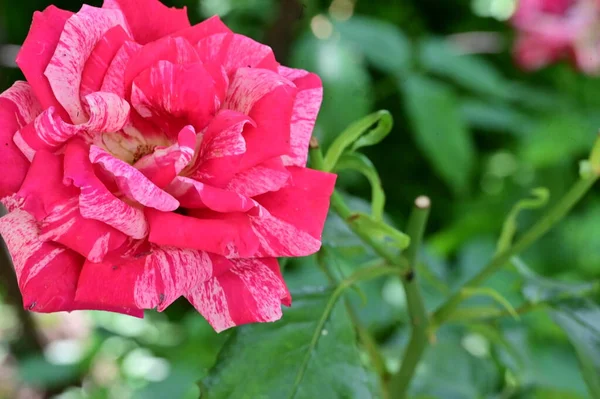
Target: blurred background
{"x": 472, "y": 131}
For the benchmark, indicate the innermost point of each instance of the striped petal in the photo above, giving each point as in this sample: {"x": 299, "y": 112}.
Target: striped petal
{"x": 221, "y": 149}
{"x": 114, "y": 79}
{"x": 95, "y": 200}
{"x": 90, "y": 238}
{"x": 18, "y": 106}
{"x": 164, "y": 164}
{"x": 173, "y": 95}
{"x": 175, "y": 50}
{"x": 101, "y": 58}
{"x": 48, "y": 131}
{"x": 81, "y": 33}
{"x": 260, "y": 179}
{"x": 282, "y": 225}
{"x": 149, "y": 20}
{"x": 235, "y": 51}
{"x": 251, "y": 291}
{"x": 146, "y": 281}
{"x": 193, "y": 194}
{"x": 37, "y": 265}
{"x": 132, "y": 182}
{"x": 227, "y": 234}
{"x": 37, "y": 51}
{"x": 306, "y": 108}
{"x": 257, "y": 93}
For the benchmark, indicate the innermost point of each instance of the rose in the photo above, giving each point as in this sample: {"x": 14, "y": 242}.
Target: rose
{"x": 549, "y": 30}
{"x": 146, "y": 159}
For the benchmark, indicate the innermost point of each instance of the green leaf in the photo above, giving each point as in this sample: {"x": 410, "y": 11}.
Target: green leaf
{"x": 365, "y": 132}
{"x": 440, "y": 131}
{"x": 576, "y": 314}
{"x": 495, "y": 117}
{"x": 363, "y": 165}
{"x": 474, "y": 73}
{"x": 346, "y": 83}
{"x": 383, "y": 44}
{"x": 580, "y": 319}
{"x": 539, "y": 199}
{"x": 310, "y": 353}
{"x": 556, "y": 138}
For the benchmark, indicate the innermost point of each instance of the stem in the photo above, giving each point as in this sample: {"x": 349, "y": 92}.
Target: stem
{"x": 484, "y": 314}
{"x": 579, "y": 189}
{"x": 340, "y": 207}
{"x": 416, "y": 308}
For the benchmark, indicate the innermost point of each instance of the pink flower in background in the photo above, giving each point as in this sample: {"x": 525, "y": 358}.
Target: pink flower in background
{"x": 549, "y": 30}
{"x": 146, "y": 159}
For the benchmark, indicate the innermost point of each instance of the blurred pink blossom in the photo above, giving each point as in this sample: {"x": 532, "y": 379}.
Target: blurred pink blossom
{"x": 550, "y": 30}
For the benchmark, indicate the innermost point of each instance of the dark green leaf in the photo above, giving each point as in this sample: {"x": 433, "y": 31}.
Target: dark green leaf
{"x": 576, "y": 314}
{"x": 296, "y": 357}
{"x": 580, "y": 319}
{"x": 473, "y": 73}
{"x": 382, "y": 43}
{"x": 558, "y": 137}
{"x": 440, "y": 131}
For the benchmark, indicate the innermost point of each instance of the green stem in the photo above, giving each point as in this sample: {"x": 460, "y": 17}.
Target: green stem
{"x": 417, "y": 312}
{"x": 348, "y": 216}
{"x": 483, "y": 314}
{"x": 419, "y": 318}
{"x": 579, "y": 189}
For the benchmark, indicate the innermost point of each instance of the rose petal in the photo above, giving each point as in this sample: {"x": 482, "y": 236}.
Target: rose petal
{"x": 172, "y": 95}
{"x": 252, "y": 290}
{"x": 90, "y": 238}
{"x": 221, "y": 149}
{"x": 256, "y": 93}
{"x": 306, "y": 108}
{"x": 37, "y": 50}
{"x": 270, "y": 175}
{"x": 193, "y": 194}
{"x": 150, "y": 280}
{"x": 227, "y": 234}
{"x": 210, "y": 26}
{"x": 235, "y": 51}
{"x": 282, "y": 226}
{"x": 96, "y": 201}
{"x": 132, "y": 182}
{"x": 99, "y": 61}
{"x": 164, "y": 164}
{"x": 37, "y": 265}
{"x": 175, "y": 50}
{"x": 114, "y": 79}
{"x": 81, "y": 33}
{"x": 149, "y": 20}
{"x": 17, "y": 107}
{"x": 49, "y": 132}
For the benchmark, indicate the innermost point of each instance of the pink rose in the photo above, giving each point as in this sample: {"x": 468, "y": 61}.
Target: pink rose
{"x": 146, "y": 159}
{"x": 549, "y": 30}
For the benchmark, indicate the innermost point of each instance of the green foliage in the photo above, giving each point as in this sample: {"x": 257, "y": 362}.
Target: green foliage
{"x": 382, "y": 43}
{"x": 439, "y": 130}
{"x": 310, "y": 353}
